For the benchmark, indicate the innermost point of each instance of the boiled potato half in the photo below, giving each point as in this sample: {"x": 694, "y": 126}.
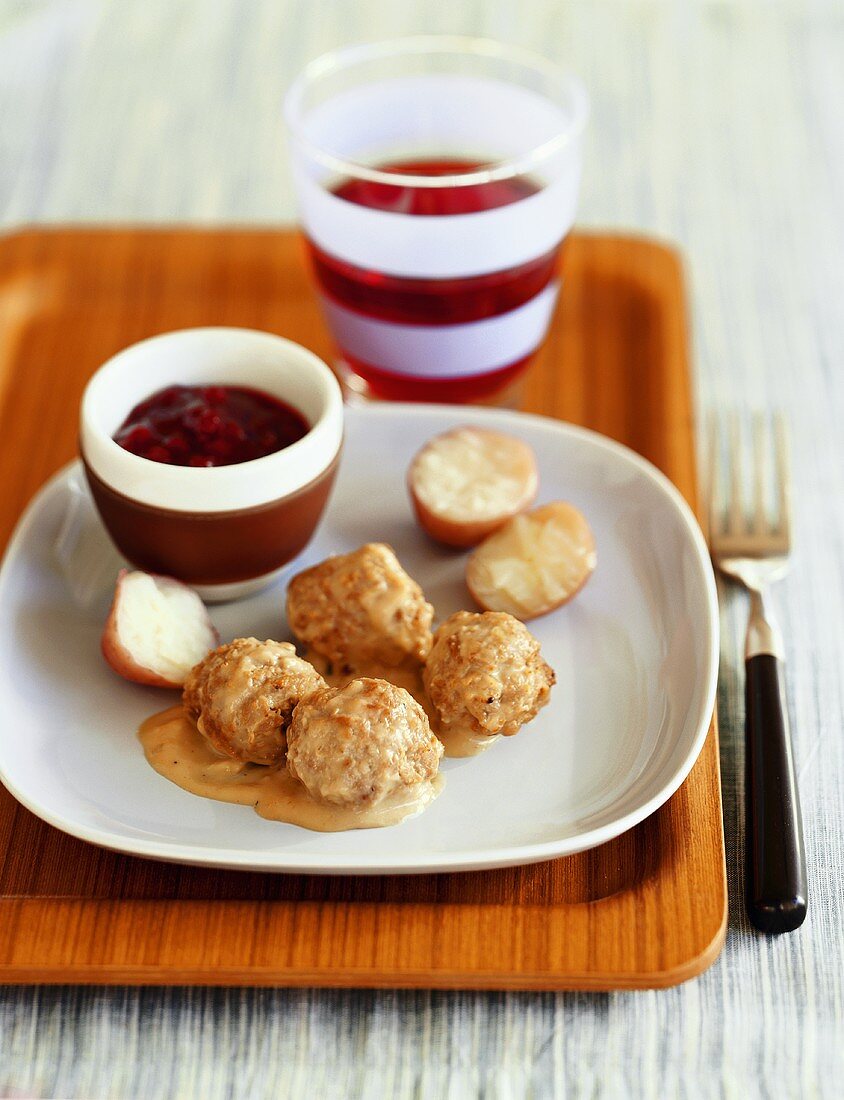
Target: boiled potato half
{"x": 533, "y": 564}
{"x": 467, "y": 482}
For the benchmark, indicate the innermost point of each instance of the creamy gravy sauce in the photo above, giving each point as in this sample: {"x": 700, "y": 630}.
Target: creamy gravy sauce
{"x": 457, "y": 740}
{"x": 175, "y": 748}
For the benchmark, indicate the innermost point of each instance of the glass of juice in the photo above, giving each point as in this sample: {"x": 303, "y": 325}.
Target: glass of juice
{"x": 437, "y": 180}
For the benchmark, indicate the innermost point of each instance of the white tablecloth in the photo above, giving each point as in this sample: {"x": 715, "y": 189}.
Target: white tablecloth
{"x": 717, "y": 125}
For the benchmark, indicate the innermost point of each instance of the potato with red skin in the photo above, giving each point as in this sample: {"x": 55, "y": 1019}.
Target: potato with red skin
{"x": 156, "y": 631}
{"x": 467, "y": 482}
{"x": 535, "y": 563}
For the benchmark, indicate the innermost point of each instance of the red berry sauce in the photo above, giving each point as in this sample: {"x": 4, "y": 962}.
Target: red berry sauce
{"x": 209, "y": 426}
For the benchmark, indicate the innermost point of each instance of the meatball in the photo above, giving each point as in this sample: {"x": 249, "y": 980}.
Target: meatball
{"x": 361, "y": 609}
{"x": 485, "y": 673}
{"x": 242, "y": 696}
{"x": 361, "y": 744}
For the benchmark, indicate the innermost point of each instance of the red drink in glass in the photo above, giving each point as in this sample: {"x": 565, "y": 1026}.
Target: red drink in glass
{"x": 433, "y": 302}
{"x": 437, "y": 272}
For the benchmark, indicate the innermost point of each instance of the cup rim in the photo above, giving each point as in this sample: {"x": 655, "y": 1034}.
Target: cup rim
{"x": 234, "y": 487}
{"x": 465, "y": 45}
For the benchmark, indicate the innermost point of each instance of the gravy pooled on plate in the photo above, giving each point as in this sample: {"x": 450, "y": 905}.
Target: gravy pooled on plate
{"x": 177, "y": 750}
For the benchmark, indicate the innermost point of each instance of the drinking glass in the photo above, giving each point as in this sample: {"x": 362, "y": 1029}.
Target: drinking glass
{"x": 437, "y": 180}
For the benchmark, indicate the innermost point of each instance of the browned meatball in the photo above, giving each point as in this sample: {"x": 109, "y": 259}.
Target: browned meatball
{"x": 361, "y": 609}
{"x": 485, "y": 673}
{"x": 243, "y": 694}
{"x": 364, "y": 743}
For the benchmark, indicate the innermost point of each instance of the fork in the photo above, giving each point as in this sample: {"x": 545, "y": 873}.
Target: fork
{"x": 753, "y": 548}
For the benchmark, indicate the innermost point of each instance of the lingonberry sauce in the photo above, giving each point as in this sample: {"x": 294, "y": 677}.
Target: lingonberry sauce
{"x": 209, "y": 426}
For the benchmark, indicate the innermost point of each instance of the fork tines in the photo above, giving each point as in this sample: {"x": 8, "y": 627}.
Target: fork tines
{"x": 756, "y": 524}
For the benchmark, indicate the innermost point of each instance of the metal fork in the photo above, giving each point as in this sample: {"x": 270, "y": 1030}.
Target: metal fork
{"x": 752, "y": 547}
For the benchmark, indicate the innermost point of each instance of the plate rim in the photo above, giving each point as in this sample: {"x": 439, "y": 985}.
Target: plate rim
{"x": 484, "y": 859}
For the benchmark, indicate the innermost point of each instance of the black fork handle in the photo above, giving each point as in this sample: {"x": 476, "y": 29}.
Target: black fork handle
{"x": 775, "y": 881}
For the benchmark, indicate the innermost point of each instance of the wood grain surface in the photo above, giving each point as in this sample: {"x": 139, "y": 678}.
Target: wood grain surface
{"x": 645, "y": 910}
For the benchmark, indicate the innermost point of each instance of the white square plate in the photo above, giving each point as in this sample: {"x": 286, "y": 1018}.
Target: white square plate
{"x": 635, "y": 655}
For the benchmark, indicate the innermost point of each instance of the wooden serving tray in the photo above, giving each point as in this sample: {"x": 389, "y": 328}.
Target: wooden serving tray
{"x": 648, "y": 909}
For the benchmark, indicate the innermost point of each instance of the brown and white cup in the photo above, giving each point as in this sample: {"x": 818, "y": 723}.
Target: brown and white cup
{"x": 225, "y": 530}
